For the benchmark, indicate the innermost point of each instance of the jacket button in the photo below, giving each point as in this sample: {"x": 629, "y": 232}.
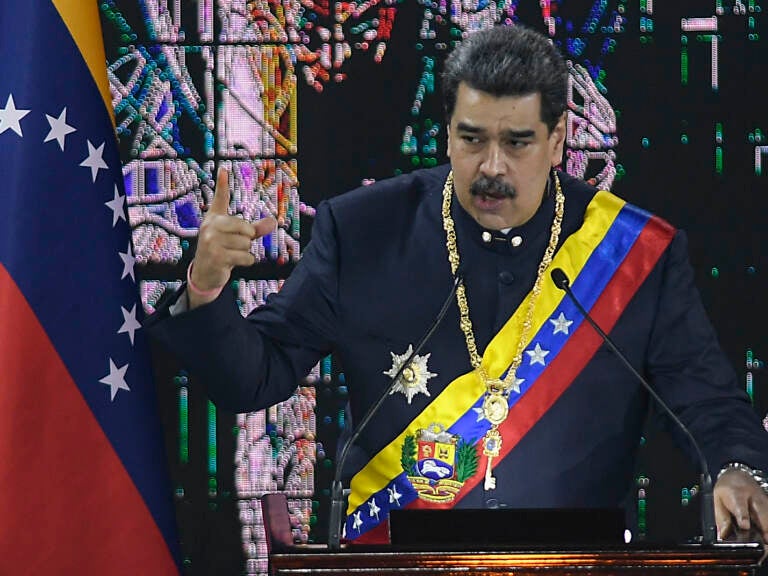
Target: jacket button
{"x": 506, "y": 277}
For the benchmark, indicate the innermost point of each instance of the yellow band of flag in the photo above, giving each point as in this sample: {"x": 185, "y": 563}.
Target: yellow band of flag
{"x": 82, "y": 21}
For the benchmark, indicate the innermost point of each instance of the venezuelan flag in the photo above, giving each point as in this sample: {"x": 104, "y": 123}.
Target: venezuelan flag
{"x": 83, "y": 487}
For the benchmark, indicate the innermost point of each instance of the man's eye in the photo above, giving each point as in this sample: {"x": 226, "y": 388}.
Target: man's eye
{"x": 470, "y": 139}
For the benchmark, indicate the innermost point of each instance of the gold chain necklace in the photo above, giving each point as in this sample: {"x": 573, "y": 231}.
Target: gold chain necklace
{"x": 496, "y": 403}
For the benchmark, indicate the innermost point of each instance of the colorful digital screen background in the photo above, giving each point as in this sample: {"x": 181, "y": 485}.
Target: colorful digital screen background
{"x": 306, "y": 99}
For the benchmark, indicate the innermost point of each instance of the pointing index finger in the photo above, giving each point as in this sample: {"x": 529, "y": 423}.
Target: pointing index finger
{"x": 220, "y": 202}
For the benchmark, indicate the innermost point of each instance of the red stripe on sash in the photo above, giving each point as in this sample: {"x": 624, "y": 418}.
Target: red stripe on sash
{"x": 377, "y": 535}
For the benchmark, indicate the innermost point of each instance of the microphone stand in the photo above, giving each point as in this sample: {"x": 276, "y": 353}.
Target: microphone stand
{"x": 337, "y": 492}
{"x": 708, "y": 526}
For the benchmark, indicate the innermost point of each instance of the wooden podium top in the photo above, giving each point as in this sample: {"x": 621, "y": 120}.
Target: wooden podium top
{"x": 463, "y": 558}
{"x": 720, "y": 559}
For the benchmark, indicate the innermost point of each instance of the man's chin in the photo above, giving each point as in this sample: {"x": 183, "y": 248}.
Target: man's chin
{"x": 492, "y": 221}
{"x": 489, "y": 212}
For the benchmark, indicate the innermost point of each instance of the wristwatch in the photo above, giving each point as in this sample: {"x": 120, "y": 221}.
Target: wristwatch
{"x": 757, "y": 475}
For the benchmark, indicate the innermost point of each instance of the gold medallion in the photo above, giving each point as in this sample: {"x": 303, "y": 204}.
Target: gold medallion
{"x": 495, "y": 409}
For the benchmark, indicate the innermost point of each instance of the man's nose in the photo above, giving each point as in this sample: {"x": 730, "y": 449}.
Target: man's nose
{"x": 494, "y": 164}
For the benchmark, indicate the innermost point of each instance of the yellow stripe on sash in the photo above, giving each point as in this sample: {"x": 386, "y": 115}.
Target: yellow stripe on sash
{"x": 461, "y": 394}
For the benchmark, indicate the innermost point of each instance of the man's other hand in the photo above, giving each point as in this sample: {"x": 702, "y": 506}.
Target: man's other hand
{"x": 741, "y": 506}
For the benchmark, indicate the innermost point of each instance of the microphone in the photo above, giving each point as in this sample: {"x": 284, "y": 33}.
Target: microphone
{"x": 708, "y": 527}
{"x": 337, "y": 500}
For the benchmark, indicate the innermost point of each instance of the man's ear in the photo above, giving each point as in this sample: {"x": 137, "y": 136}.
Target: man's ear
{"x": 448, "y": 139}
{"x": 557, "y": 140}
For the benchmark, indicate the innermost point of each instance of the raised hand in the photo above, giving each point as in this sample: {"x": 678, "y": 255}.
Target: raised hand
{"x": 224, "y": 242}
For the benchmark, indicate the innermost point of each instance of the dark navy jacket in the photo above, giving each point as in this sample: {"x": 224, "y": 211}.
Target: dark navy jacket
{"x": 373, "y": 279}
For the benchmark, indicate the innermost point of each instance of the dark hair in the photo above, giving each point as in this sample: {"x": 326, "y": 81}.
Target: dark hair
{"x": 508, "y": 61}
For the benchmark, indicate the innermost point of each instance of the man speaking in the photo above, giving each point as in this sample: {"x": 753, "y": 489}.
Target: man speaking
{"x": 513, "y": 400}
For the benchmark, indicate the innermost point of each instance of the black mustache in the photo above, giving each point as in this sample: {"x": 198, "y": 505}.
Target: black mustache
{"x": 492, "y": 187}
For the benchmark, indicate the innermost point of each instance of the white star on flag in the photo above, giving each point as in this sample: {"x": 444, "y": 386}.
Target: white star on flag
{"x": 128, "y": 262}
{"x": 561, "y": 324}
{"x": 356, "y": 522}
{"x": 117, "y": 206}
{"x": 394, "y": 496}
{"x": 95, "y": 161}
{"x": 115, "y": 379}
{"x": 130, "y": 323}
{"x": 10, "y": 117}
{"x": 516, "y": 384}
{"x": 537, "y": 355}
{"x": 373, "y": 509}
{"x": 479, "y": 411}
{"x": 59, "y": 128}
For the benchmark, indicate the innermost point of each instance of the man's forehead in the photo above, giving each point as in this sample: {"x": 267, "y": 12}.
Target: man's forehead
{"x": 467, "y": 92}
{"x": 477, "y": 109}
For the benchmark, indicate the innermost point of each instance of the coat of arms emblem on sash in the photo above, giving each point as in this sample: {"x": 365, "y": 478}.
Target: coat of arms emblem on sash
{"x": 437, "y": 463}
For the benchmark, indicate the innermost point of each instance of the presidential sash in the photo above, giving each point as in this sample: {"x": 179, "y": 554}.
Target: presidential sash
{"x": 438, "y": 458}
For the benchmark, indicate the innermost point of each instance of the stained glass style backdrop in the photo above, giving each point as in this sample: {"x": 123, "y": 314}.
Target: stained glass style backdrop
{"x": 304, "y": 99}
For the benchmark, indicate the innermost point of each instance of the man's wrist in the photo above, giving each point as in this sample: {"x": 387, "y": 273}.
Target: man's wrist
{"x": 756, "y": 475}
{"x": 197, "y": 296}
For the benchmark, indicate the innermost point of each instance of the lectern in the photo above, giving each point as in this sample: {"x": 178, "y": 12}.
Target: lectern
{"x": 287, "y": 559}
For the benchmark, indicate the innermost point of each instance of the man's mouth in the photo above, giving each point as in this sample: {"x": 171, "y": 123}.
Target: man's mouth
{"x": 494, "y": 195}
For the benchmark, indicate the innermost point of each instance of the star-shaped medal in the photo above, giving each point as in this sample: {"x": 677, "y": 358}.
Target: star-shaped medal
{"x": 413, "y": 379}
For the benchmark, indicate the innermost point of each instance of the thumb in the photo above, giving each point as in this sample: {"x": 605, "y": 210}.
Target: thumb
{"x": 264, "y": 226}
{"x": 220, "y": 202}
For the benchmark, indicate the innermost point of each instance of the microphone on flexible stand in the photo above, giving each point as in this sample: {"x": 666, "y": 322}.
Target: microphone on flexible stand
{"x": 708, "y": 527}
{"x": 337, "y": 500}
